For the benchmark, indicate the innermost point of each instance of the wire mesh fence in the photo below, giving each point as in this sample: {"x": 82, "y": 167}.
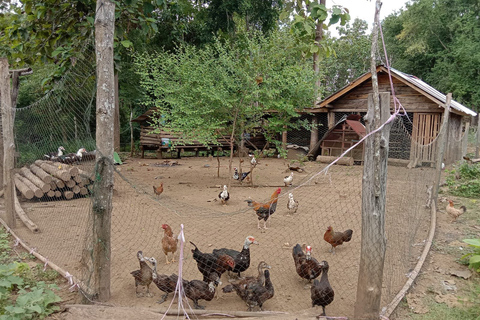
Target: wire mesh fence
{"x": 326, "y": 198}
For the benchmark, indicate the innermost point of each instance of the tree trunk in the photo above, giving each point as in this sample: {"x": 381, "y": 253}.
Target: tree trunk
{"x": 477, "y": 147}
{"x": 132, "y": 142}
{"x": 442, "y": 141}
{"x": 102, "y": 201}
{"x": 318, "y": 38}
{"x": 8, "y": 143}
{"x": 116, "y": 125}
{"x": 374, "y": 182}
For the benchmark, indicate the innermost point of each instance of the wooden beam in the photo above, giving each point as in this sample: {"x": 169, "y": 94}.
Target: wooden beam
{"x": 477, "y": 147}
{"x": 8, "y": 143}
{"x": 442, "y": 139}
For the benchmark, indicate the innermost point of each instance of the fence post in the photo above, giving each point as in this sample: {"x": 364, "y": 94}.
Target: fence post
{"x": 372, "y": 257}
{"x": 8, "y": 143}
{"x": 102, "y": 202}
{"x": 442, "y": 140}
{"x": 314, "y": 132}
{"x": 477, "y": 146}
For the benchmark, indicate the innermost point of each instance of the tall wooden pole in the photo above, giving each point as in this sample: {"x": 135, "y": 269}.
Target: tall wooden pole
{"x": 477, "y": 147}
{"x": 442, "y": 141}
{"x": 8, "y": 143}
{"x": 102, "y": 203}
{"x": 374, "y": 185}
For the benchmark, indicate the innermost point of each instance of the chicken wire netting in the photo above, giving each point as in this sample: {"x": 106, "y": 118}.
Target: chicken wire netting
{"x": 326, "y": 198}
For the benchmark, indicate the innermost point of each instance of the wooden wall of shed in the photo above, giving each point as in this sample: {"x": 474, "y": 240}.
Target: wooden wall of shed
{"x": 412, "y": 100}
{"x": 454, "y": 147}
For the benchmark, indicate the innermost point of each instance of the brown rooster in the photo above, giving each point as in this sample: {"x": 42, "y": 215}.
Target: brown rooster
{"x": 158, "y": 190}
{"x": 454, "y": 212}
{"x": 169, "y": 243}
{"x": 337, "y": 238}
{"x": 143, "y": 277}
{"x": 265, "y": 210}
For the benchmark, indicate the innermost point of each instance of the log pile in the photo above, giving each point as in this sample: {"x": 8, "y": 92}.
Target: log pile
{"x": 50, "y": 180}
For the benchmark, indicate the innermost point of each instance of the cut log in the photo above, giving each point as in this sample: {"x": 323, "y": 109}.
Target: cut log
{"x": 71, "y": 169}
{"x": 36, "y": 190}
{"x": 59, "y": 183}
{"x": 46, "y": 177}
{"x": 58, "y": 194}
{"x": 50, "y": 193}
{"x": 78, "y": 178}
{"x": 68, "y": 194}
{"x": 23, "y": 216}
{"x": 24, "y": 189}
{"x": 83, "y": 191}
{"x": 348, "y": 161}
{"x": 70, "y": 183}
{"x": 34, "y": 179}
{"x": 53, "y": 170}
{"x": 76, "y": 189}
{"x": 85, "y": 174}
{"x": 53, "y": 185}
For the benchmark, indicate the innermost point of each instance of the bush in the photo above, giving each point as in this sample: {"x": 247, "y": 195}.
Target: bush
{"x": 464, "y": 180}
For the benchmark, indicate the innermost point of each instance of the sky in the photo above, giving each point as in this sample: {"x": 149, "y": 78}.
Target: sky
{"x": 365, "y": 9}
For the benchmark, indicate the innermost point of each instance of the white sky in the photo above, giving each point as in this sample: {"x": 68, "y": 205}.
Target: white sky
{"x": 365, "y": 9}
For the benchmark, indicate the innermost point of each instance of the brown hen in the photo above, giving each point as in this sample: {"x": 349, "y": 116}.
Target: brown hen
{"x": 158, "y": 190}
{"x": 169, "y": 243}
{"x": 337, "y": 238}
{"x": 454, "y": 212}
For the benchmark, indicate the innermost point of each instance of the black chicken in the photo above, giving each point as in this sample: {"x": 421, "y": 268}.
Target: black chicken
{"x": 242, "y": 258}
{"x": 201, "y": 290}
{"x": 306, "y": 266}
{"x": 322, "y": 293}
{"x": 143, "y": 276}
{"x": 163, "y": 282}
{"x": 208, "y": 263}
{"x": 241, "y": 286}
{"x": 257, "y": 294}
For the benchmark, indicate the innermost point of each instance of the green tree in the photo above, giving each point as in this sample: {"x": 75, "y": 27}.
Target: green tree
{"x": 438, "y": 41}
{"x": 255, "y": 82}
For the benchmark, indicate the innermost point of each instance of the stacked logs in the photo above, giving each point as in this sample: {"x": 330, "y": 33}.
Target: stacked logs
{"x": 52, "y": 179}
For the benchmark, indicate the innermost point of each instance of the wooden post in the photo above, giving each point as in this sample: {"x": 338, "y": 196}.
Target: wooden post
{"x": 8, "y": 143}
{"x": 102, "y": 199}
{"x": 132, "y": 143}
{"x": 442, "y": 140}
{"x": 465, "y": 141}
{"x": 374, "y": 183}
{"x": 284, "y": 139}
{"x": 116, "y": 125}
{"x": 314, "y": 132}
{"x": 477, "y": 147}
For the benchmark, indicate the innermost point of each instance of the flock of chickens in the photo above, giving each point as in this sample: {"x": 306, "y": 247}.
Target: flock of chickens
{"x": 253, "y": 290}
{"x": 69, "y": 158}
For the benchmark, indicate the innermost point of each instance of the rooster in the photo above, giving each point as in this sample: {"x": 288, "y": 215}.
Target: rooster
{"x": 237, "y": 177}
{"x": 288, "y": 180}
{"x": 265, "y": 210}
{"x": 454, "y": 212}
{"x": 158, "y": 190}
{"x": 169, "y": 243}
{"x": 337, "y": 238}
{"x": 292, "y": 205}
{"x": 208, "y": 263}
{"x": 224, "y": 195}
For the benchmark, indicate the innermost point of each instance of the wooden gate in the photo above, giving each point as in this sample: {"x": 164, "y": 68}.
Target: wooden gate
{"x": 426, "y": 127}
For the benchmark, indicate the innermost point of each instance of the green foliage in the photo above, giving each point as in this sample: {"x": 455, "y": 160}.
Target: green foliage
{"x": 464, "y": 180}
{"x": 474, "y": 257}
{"x": 4, "y": 247}
{"x": 201, "y": 91}
{"x": 439, "y": 42}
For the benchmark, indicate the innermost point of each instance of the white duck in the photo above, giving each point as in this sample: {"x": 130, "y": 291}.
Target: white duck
{"x": 288, "y": 179}
{"x": 292, "y": 205}
{"x": 224, "y": 195}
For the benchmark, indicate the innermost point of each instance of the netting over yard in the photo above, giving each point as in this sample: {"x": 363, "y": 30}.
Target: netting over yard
{"x": 326, "y": 198}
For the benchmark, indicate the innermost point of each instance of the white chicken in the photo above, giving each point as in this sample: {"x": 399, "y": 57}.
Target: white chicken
{"x": 292, "y": 205}
{"x": 288, "y": 180}
{"x": 224, "y": 195}
{"x": 253, "y": 161}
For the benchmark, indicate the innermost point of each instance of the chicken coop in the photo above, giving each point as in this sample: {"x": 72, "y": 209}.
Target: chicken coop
{"x": 413, "y": 135}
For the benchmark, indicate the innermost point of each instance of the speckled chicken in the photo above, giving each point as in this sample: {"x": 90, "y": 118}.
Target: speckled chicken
{"x": 143, "y": 276}
{"x": 224, "y": 196}
{"x": 292, "y": 204}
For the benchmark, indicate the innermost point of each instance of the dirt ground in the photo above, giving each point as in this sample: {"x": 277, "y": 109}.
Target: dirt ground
{"x": 190, "y": 198}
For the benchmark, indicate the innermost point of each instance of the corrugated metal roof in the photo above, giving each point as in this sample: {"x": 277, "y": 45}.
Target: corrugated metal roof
{"x": 432, "y": 91}
{"x": 410, "y": 79}
{"x": 358, "y": 127}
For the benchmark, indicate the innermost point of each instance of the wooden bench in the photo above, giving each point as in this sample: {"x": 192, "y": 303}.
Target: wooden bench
{"x": 167, "y": 141}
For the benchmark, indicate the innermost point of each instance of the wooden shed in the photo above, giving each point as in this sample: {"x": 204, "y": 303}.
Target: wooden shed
{"x": 413, "y": 135}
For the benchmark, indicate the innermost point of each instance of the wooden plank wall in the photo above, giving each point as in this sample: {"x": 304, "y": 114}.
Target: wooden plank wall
{"x": 454, "y": 147}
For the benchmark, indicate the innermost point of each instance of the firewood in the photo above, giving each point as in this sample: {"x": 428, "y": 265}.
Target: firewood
{"x": 36, "y": 190}
{"x": 46, "y": 177}
{"x": 35, "y": 179}
{"x": 53, "y": 170}
{"x": 23, "y": 188}
{"x": 59, "y": 183}
{"x": 71, "y": 169}
{"x": 68, "y": 194}
{"x": 23, "y": 216}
